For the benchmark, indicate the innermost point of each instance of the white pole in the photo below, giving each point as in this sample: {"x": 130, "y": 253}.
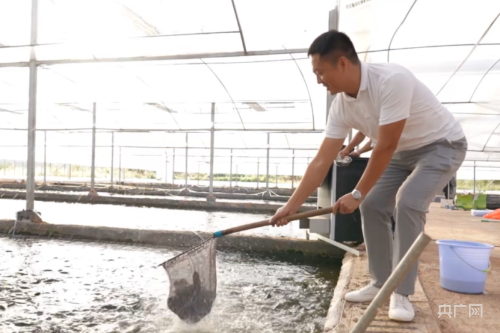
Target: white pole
{"x": 391, "y": 284}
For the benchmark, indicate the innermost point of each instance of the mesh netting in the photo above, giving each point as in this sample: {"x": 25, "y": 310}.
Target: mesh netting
{"x": 193, "y": 282}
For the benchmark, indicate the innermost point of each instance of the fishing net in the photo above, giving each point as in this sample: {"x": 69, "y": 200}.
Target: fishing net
{"x": 193, "y": 282}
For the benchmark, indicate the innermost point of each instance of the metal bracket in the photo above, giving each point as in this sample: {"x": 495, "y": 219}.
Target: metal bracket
{"x": 337, "y": 244}
{"x": 29, "y": 216}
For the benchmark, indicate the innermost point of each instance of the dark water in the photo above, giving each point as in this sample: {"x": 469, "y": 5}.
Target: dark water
{"x": 62, "y": 286}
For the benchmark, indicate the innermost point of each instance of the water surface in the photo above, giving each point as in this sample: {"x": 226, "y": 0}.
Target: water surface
{"x": 147, "y": 218}
{"x": 62, "y": 286}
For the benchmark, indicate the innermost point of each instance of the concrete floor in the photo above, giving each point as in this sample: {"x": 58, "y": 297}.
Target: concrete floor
{"x": 441, "y": 224}
{"x": 460, "y": 225}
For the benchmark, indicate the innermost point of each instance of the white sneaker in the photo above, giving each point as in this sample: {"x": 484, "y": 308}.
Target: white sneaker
{"x": 365, "y": 294}
{"x": 401, "y": 308}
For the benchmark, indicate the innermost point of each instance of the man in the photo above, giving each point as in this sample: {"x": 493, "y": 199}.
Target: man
{"x": 418, "y": 147}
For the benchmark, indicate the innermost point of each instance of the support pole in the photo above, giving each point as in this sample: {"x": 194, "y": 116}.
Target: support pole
{"x": 120, "y": 164}
{"x": 474, "y": 179}
{"x": 30, "y": 214}
{"x": 166, "y": 167}
{"x": 112, "y": 157}
{"x": 267, "y": 163}
{"x": 231, "y": 170}
{"x": 92, "y": 191}
{"x": 391, "y": 284}
{"x": 30, "y": 177}
{"x": 276, "y": 175}
{"x": 173, "y": 167}
{"x": 211, "y": 197}
{"x": 236, "y": 180}
{"x": 258, "y": 171}
{"x": 186, "y": 167}
{"x": 293, "y": 167}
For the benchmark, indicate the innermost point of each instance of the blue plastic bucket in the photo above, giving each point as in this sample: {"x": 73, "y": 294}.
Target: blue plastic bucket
{"x": 463, "y": 266}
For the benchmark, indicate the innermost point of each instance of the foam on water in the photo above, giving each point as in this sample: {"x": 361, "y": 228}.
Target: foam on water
{"x": 61, "y": 286}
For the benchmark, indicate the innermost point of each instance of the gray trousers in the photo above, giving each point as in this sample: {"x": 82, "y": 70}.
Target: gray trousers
{"x": 405, "y": 191}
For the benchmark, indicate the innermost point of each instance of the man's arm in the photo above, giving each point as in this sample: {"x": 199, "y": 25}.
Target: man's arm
{"x": 366, "y": 148}
{"x": 314, "y": 175}
{"x": 358, "y": 138}
{"x": 348, "y": 150}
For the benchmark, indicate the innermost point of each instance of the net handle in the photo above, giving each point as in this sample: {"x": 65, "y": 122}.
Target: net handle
{"x": 298, "y": 216}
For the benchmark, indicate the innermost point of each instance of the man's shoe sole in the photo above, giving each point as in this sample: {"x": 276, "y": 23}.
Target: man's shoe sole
{"x": 402, "y": 319}
{"x": 360, "y": 301}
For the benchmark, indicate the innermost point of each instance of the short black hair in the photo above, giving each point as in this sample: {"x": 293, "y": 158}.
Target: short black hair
{"x": 334, "y": 44}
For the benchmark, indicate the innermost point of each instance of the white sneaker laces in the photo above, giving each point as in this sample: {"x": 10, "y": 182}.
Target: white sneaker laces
{"x": 399, "y": 301}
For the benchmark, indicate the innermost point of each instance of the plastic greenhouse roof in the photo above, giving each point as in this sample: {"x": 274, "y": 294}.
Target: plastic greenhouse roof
{"x": 156, "y": 66}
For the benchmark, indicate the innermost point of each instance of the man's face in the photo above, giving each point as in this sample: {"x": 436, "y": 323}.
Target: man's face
{"x": 330, "y": 75}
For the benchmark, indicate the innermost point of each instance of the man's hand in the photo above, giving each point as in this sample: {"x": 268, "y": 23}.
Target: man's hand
{"x": 346, "y": 205}
{"x": 278, "y": 219}
{"x": 355, "y": 154}
{"x": 345, "y": 152}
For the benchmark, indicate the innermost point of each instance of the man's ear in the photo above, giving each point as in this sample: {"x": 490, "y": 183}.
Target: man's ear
{"x": 342, "y": 63}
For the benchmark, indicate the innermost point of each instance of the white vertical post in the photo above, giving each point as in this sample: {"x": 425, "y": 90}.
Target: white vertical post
{"x": 120, "y": 164}
{"x": 112, "y": 157}
{"x": 258, "y": 171}
{"x": 212, "y": 148}
{"x": 30, "y": 178}
{"x": 267, "y": 162}
{"x": 186, "y": 167}
{"x": 166, "y": 167}
{"x": 231, "y": 169}
{"x": 173, "y": 166}
{"x": 236, "y": 174}
{"x": 92, "y": 168}
{"x": 276, "y": 175}
{"x": 45, "y": 157}
{"x": 474, "y": 180}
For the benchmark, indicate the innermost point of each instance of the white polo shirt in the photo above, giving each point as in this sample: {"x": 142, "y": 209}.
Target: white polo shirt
{"x": 389, "y": 93}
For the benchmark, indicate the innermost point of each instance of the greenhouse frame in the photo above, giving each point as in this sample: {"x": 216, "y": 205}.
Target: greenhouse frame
{"x": 120, "y": 83}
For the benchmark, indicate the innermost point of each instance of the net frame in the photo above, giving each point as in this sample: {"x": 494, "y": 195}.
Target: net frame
{"x": 193, "y": 281}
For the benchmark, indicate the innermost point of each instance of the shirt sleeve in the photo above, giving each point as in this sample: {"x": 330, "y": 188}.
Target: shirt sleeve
{"x": 335, "y": 126}
{"x": 395, "y": 98}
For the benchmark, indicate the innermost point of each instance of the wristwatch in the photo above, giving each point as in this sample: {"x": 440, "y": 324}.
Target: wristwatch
{"x": 356, "y": 194}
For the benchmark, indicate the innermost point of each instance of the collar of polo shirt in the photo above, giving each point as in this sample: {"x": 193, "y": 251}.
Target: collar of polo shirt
{"x": 363, "y": 85}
